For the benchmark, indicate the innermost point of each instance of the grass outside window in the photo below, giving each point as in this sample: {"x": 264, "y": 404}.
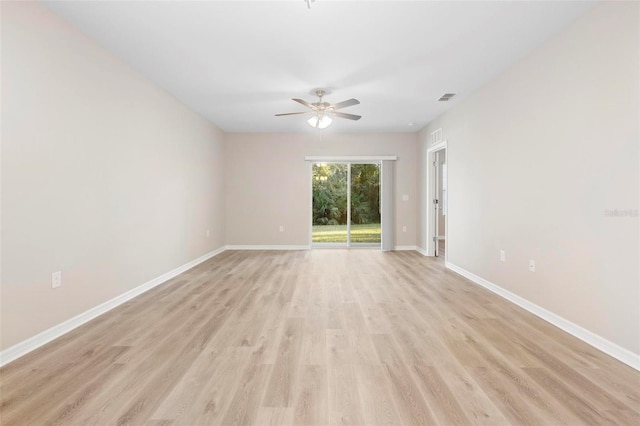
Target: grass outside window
{"x": 360, "y": 233}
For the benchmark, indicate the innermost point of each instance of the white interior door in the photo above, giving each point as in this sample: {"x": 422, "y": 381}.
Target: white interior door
{"x": 436, "y": 201}
{"x": 430, "y": 205}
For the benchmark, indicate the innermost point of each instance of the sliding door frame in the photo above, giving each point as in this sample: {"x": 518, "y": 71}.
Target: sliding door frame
{"x": 349, "y": 161}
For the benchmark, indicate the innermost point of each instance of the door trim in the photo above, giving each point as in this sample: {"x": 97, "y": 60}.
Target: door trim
{"x": 349, "y": 158}
{"x": 430, "y": 195}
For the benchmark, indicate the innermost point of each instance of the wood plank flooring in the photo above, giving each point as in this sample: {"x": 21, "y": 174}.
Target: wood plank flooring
{"x": 318, "y": 337}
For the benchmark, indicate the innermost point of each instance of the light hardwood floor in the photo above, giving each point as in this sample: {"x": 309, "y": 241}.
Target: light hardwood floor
{"x": 318, "y": 337}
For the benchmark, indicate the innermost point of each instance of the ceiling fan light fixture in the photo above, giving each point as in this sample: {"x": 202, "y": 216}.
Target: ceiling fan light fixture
{"x": 320, "y": 122}
{"x": 324, "y": 111}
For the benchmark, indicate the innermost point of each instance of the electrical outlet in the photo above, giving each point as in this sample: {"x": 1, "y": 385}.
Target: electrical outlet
{"x": 404, "y": 229}
{"x": 532, "y": 265}
{"x": 503, "y": 256}
{"x": 208, "y": 233}
{"x": 405, "y": 197}
{"x": 281, "y": 228}
{"x": 56, "y": 279}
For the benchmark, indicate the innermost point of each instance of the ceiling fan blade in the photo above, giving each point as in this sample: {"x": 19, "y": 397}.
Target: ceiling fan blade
{"x": 293, "y": 113}
{"x": 347, "y": 116}
{"x": 345, "y": 104}
{"x": 303, "y": 102}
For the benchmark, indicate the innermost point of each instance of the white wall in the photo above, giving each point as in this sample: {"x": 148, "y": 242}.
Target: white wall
{"x": 268, "y": 183}
{"x": 104, "y": 175}
{"x": 536, "y": 157}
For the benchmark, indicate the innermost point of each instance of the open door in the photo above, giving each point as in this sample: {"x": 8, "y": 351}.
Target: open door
{"x": 436, "y": 199}
{"x": 436, "y": 202}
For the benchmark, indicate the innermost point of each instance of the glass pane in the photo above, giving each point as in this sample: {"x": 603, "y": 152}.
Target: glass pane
{"x": 329, "y": 203}
{"x": 365, "y": 204}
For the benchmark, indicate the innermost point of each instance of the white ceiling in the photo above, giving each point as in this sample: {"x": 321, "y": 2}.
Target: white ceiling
{"x": 239, "y": 62}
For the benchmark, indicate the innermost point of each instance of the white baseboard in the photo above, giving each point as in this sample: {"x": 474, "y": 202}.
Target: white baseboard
{"x": 302, "y": 247}
{"x": 268, "y": 247}
{"x": 404, "y": 248}
{"x": 618, "y": 352}
{"x": 40, "y": 339}
{"x": 422, "y": 251}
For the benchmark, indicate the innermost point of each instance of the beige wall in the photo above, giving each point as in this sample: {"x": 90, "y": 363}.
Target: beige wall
{"x": 268, "y": 183}
{"x": 99, "y": 165}
{"x": 104, "y": 175}
{"x": 536, "y": 157}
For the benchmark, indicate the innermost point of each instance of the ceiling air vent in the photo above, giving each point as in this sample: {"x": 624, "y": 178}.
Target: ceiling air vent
{"x": 446, "y": 97}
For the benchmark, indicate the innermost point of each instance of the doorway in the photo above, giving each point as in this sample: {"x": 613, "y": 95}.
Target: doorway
{"x": 441, "y": 205}
{"x": 346, "y": 204}
{"x": 437, "y": 200}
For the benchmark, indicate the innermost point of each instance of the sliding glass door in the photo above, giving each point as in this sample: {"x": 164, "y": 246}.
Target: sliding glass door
{"x": 329, "y": 186}
{"x": 346, "y": 204}
{"x": 365, "y": 204}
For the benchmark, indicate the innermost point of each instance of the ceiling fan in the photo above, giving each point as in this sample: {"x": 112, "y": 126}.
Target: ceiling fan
{"x": 323, "y": 111}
